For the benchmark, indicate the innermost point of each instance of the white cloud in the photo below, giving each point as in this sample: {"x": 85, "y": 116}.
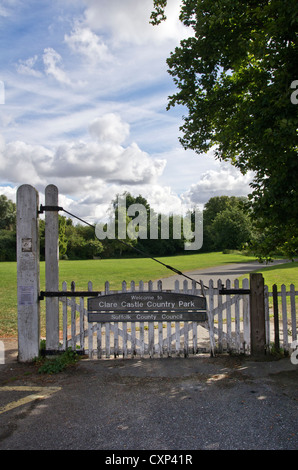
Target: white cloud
{"x": 163, "y": 199}
{"x": 9, "y": 192}
{"x": 81, "y": 168}
{"x": 129, "y": 22}
{"x": 51, "y": 60}
{"x": 109, "y": 128}
{"x": 226, "y": 181}
{"x": 26, "y": 67}
{"x": 3, "y": 11}
{"x": 85, "y": 42}
{"x": 7, "y": 6}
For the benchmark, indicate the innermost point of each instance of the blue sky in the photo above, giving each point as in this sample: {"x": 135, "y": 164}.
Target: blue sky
{"x": 86, "y": 89}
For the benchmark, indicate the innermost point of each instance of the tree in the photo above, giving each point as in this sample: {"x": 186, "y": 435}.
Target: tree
{"x": 7, "y": 229}
{"x": 234, "y": 76}
{"x": 62, "y": 237}
{"x": 7, "y": 245}
{"x": 227, "y": 223}
{"x": 231, "y": 229}
{"x": 140, "y": 221}
{"x": 80, "y": 241}
{"x": 7, "y": 213}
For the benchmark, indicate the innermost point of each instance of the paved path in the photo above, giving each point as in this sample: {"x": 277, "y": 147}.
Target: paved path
{"x": 224, "y": 272}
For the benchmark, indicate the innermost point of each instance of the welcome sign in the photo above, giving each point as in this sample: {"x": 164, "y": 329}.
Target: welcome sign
{"x": 147, "y": 306}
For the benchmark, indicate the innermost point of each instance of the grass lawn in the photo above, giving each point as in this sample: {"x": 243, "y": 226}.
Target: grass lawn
{"x": 286, "y": 274}
{"x": 98, "y": 271}
{"x": 281, "y": 274}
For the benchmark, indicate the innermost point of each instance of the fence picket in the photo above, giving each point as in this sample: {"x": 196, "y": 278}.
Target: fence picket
{"x": 133, "y": 326}
{"x": 229, "y": 318}
{"x": 116, "y": 331}
{"x": 237, "y": 318}
{"x": 211, "y": 317}
{"x": 124, "y": 327}
{"x": 177, "y": 325}
{"x": 73, "y": 317}
{"x": 150, "y": 328}
{"x": 142, "y": 328}
{"x": 293, "y": 312}
{"x": 284, "y": 316}
{"x": 194, "y": 324}
{"x": 82, "y": 314}
{"x": 107, "y": 339}
{"x": 90, "y": 329}
{"x": 186, "y": 325}
{"x": 219, "y": 319}
{"x": 160, "y": 326}
{"x": 267, "y": 317}
{"x": 246, "y": 318}
{"x": 64, "y": 316}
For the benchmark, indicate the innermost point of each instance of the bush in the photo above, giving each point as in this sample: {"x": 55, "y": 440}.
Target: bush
{"x": 56, "y": 364}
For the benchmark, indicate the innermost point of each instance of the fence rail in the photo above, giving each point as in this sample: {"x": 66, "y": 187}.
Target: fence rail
{"x": 227, "y": 329}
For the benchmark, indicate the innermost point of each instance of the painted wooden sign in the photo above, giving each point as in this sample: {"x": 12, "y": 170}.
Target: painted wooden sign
{"x": 147, "y": 306}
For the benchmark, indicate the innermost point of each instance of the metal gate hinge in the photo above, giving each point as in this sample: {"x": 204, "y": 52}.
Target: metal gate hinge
{"x": 49, "y": 208}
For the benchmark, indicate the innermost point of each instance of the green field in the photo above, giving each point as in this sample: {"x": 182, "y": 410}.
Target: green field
{"x": 283, "y": 274}
{"x": 117, "y": 270}
{"x": 99, "y": 271}
{"x": 286, "y": 274}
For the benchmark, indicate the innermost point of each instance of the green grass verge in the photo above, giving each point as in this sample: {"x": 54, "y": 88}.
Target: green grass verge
{"x": 286, "y": 274}
{"x": 98, "y": 271}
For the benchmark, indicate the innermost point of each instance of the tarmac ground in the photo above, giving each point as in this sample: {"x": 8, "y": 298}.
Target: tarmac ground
{"x": 166, "y": 405}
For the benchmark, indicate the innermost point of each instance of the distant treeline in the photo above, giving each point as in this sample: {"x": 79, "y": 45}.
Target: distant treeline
{"x": 226, "y": 226}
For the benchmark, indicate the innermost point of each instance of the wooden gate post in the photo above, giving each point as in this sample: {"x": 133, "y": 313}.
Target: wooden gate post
{"x": 28, "y": 273}
{"x": 257, "y": 314}
{"x": 52, "y": 267}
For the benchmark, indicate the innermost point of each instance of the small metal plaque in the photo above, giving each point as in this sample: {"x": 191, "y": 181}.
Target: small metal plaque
{"x": 26, "y": 295}
{"x": 26, "y": 245}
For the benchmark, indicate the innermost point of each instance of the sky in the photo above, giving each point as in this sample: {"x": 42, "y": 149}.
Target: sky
{"x": 83, "y": 94}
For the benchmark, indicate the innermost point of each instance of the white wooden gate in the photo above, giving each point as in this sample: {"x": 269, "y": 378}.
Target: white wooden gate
{"x": 227, "y": 328}
{"x": 229, "y": 315}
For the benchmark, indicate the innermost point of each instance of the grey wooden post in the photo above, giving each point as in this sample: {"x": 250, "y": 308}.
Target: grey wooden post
{"x": 28, "y": 273}
{"x": 52, "y": 267}
{"x": 257, "y": 314}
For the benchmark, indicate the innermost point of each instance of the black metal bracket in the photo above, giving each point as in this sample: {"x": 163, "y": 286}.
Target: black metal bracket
{"x": 42, "y": 209}
{"x": 58, "y": 352}
{"x": 44, "y": 294}
{"x": 225, "y": 291}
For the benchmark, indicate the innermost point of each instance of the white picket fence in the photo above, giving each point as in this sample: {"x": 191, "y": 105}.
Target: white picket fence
{"x": 287, "y": 317}
{"x": 227, "y": 328}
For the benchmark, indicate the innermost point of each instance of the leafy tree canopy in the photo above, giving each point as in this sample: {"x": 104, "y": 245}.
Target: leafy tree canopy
{"x": 234, "y": 75}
